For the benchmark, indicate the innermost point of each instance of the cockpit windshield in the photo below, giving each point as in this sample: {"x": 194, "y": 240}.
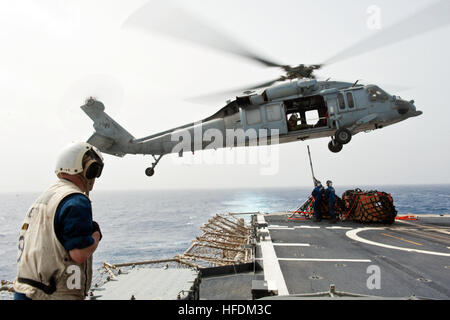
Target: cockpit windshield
{"x": 376, "y": 94}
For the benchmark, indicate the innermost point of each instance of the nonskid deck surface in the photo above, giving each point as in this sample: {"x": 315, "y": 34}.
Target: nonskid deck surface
{"x": 408, "y": 258}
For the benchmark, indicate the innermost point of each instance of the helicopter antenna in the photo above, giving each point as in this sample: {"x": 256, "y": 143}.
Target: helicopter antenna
{"x": 355, "y": 83}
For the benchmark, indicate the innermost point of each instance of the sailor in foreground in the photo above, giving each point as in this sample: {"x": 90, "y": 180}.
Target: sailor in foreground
{"x": 317, "y": 194}
{"x": 330, "y": 196}
{"x": 58, "y": 236}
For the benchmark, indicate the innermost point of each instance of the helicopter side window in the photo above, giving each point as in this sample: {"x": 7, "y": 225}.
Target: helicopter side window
{"x": 253, "y": 116}
{"x": 351, "y": 103}
{"x": 341, "y": 101}
{"x": 376, "y": 94}
{"x": 273, "y": 112}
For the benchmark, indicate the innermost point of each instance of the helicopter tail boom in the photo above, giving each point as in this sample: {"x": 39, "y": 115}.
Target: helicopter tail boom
{"x": 110, "y": 137}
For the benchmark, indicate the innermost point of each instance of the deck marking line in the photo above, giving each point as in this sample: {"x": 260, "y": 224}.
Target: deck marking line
{"x": 402, "y": 239}
{"x": 353, "y": 234}
{"x": 271, "y": 266}
{"x": 306, "y": 227}
{"x": 441, "y": 230}
{"x": 323, "y": 260}
{"x": 402, "y": 229}
{"x": 337, "y": 227}
{"x": 291, "y": 244}
{"x": 280, "y": 228}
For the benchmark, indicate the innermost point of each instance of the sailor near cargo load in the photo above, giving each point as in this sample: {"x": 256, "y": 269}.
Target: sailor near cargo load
{"x": 58, "y": 236}
{"x": 320, "y": 195}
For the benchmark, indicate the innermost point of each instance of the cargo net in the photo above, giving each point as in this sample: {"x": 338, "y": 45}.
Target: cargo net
{"x": 355, "y": 205}
{"x": 369, "y": 206}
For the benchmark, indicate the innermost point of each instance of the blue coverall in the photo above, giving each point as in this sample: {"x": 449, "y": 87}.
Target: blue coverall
{"x": 331, "y": 197}
{"x": 317, "y": 194}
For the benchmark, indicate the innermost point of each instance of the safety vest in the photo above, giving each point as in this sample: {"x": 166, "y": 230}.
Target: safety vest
{"x": 44, "y": 267}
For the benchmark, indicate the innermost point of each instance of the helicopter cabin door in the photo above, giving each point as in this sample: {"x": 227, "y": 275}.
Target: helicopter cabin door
{"x": 332, "y": 104}
{"x": 265, "y": 117}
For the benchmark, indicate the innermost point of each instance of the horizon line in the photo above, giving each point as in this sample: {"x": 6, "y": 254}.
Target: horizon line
{"x": 240, "y": 188}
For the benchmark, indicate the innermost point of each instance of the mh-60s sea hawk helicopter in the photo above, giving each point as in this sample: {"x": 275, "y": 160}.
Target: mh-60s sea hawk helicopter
{"x": 341, "y": 109}
{"x": 344, "y": 110}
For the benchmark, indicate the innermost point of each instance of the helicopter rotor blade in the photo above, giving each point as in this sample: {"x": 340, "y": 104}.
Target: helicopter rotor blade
{"x": 429, "y": 18}
{"x": 223, "y": 95}
{"x": 166, "y": 17}
{"x": 264, "y": 84}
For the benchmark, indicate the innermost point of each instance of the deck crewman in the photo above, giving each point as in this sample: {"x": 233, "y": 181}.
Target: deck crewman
{"x": 330, "y": 196}
{"x": 58, "y": 236}
{"x": 317, "y": 194}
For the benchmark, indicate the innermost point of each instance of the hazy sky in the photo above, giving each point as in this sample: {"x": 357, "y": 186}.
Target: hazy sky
{"x": 57, "y": 53}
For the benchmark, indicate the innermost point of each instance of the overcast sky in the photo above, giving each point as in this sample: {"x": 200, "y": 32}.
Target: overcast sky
{"x": 57, "y": 53}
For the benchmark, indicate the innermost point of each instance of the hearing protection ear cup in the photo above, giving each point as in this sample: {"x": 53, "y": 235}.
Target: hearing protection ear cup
{"x": 93, "y": 170}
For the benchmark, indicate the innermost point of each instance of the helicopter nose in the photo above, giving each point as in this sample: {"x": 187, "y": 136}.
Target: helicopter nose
{"x": 408, "y": 108}
{"x": 416, "y": 113}
{"x": 413, "y": 112}
{"x": 403, "y": 107}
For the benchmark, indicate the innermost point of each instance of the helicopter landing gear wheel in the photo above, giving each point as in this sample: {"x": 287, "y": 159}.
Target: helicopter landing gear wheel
{"x": 149, "y": 171}
{"x": 343, "y": 136}
{"x": 334, "y": 146}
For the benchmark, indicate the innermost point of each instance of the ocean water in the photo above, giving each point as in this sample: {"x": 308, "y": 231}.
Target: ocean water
{"x": 143, "y": 225}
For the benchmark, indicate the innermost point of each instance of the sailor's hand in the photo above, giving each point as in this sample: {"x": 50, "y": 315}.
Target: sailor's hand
{"x": 97, "y": 229}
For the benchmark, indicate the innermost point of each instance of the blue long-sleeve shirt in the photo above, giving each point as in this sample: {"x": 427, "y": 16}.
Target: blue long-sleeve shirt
{"x": 73, "y": 222}
{"x": 330, "y": 194}
{"x": 317, "y": 194}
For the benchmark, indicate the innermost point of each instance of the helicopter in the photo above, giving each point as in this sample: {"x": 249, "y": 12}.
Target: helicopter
{"x": 300, "y": 108}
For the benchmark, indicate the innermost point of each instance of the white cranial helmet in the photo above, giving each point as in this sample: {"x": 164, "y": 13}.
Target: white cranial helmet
{"x": 70, "y": 160}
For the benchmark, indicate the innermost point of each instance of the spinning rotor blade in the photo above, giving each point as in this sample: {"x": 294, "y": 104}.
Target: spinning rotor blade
{"x": 223, "y": 95}
{"x": 427, "y": 19}
{"x": 167, "y": 18}
{"x": 263, "y": 85}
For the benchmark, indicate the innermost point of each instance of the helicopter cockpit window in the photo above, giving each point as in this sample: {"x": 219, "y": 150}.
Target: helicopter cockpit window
{"x": 341, "y": 101}
{"x": 231, "y": 110}
{"x": 376, "y": 94}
